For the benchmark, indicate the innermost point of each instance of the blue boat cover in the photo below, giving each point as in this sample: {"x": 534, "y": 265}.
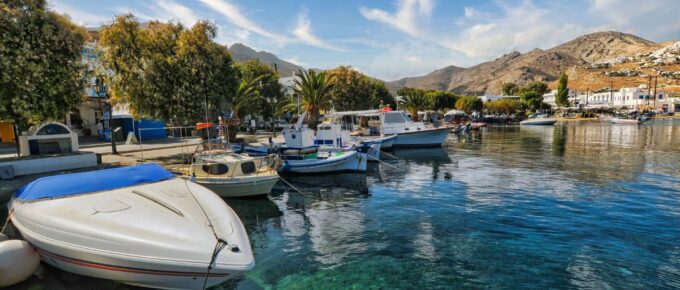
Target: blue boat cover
{"x": 93, "y": 181}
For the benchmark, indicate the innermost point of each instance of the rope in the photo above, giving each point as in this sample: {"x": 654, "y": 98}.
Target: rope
{"x": 292, "y": 186}
{"x": 9, "y": 215}
{"x": 219, "y": 246}
{"x": 383, "y": 162}
{"x": 390, "y": 155}
{"x": 220, "y": 242}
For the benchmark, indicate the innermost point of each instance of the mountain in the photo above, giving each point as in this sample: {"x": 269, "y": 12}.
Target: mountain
{"x": 241, "y": 52}
{"x": 575, "y": 57}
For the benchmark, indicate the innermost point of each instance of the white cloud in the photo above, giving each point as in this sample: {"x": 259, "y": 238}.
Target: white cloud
{"x": 235, "y": 16}
{"x": 654, "y": 19}
{"x": 81, "y": 17}
{"x": 405, "y": 19}
{"x": 303, "y": 32}
{"x": 173, "y": 11}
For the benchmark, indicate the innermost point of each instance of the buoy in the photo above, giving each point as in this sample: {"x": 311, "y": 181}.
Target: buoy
{"x": 18, "y": 260}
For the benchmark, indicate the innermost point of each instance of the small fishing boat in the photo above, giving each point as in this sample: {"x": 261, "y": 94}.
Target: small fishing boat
{"x": 539, "y": 120}
{"x": 312, "y": 160}
{"x": 385, "y": 142}
{"x": 233, "y": 175}
{"x": 137, "y": 225}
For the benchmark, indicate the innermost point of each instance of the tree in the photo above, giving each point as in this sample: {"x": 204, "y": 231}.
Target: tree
{"x": 503, "y": 106}
{"x": 269, "y": 90}
{"x": 314, "y": 92}
{"x": 353, "y": 90}
{"x": 509, "y": 89}
{"x": 244, "y": 97}
{"x": 537, "y": 87}
{"x": 562, "y": 95}
{"x": 442, "y": 100}
{"x": 533, "y": 100}
{"x": 469, "y": 104}
{"x": 167, "y": 72}
{"x": 41, "y": 73}
{"x": 415, "y": 101}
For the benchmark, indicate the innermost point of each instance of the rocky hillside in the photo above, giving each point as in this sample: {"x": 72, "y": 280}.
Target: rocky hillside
{"x": 240, "y": 52}
{"x": 587, "y": 59}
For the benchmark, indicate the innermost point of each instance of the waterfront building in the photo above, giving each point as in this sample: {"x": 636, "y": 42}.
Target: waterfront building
{"x": 633, "y": 98}
{"x": 488, "y": 98}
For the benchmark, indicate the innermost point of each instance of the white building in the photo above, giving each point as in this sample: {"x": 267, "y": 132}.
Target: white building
{"x": 549, "y": 98}
{"x": 626, "y": 98}
{"x": 288, "y": 85}
{"x": 487, "y": 98}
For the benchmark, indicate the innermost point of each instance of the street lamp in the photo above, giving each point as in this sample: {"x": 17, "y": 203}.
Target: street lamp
{"x": 102, "y": 91}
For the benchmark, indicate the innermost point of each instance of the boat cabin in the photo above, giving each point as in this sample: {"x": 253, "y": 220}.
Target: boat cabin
{"x": 396, "y": 122}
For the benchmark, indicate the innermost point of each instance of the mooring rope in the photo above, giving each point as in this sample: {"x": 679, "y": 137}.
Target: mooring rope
{"x": 219, "y": 246}
{"x": 292, "y": 186}
{"x": 9, "y": 215}
{"x": 383, "y": 162}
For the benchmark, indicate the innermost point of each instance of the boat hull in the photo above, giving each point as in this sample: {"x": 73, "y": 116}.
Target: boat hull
{"x": 152, "y": 235}
{"x": 624, "y": 121}
{"x": 351, "y": 162}
{"x": 538, "y": 122}
{"x": 424, "y": 138}
{"x": 253, "y": 186}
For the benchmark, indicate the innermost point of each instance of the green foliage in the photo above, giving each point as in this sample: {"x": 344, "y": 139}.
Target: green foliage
{"x": 268, "y": 89}
{"x": 532, "y": 100}
{"x": 509, "y": 89}
{"x": 442, "y": 100}
{"x": 562, "y": 96}
{"x": 414, "y": 101}
{"x": 537, "y": 87}
{"x": 41, "y": 73}
{"x": 167, "y": 72}
{"x": 469, "y": 104}
{"x": 314, "y": 92}
{"x": 532, "y": 95}
{"x": 504, "y": 106}
{"x": 353, "y": 90}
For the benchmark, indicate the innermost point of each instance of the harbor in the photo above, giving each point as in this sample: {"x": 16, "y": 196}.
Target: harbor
{"x": 229, "y": 144}
{"x": 578, "y": 204}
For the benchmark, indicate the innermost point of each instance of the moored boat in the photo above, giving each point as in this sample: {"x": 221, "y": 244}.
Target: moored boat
{"x": 234, "y": 175}
{"x": 539, "y": 120}
{"x": 137, "y": 225}
{"x": 310, "y": 161}
{"x": 409, "y": 133}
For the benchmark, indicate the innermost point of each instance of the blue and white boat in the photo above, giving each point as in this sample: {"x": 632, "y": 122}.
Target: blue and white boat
{"x": 305, "y": 154}
{"x": 138, "y": 225}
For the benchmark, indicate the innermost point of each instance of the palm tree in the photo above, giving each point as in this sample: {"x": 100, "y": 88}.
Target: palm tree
{"x": 246, "y": 94}
{"x": 312, "y": 92}
{"x": 414, "y": 102}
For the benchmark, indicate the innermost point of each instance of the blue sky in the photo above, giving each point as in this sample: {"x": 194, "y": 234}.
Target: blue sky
{"x": 396, "y": 38}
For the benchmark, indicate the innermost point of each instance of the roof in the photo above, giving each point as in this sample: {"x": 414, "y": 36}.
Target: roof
{"x": 93, "y": 181}
{"x": 354, "y": 113}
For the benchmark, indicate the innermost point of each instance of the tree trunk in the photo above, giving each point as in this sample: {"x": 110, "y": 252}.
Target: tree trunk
{"x": 313, "y": 119}
{"x": 16, "y": 138}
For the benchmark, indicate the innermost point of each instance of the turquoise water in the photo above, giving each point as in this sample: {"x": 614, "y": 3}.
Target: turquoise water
{"x": 584, "y": 205}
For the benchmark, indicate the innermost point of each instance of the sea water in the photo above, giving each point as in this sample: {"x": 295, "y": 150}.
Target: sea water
{"x": 579, "y": 205}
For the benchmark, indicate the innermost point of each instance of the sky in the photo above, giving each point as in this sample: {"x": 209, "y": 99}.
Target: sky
{"x": 392, "y": 39}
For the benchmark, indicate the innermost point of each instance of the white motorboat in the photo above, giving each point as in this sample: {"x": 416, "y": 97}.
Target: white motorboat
{"x": 331, "y": 137}
{"x": 233, "y": 175}
{"x": 539, "y": 120}
{"x": 409, "y": 133}
{"x": 617, "y": 120}
{"x": 137, "y": 225}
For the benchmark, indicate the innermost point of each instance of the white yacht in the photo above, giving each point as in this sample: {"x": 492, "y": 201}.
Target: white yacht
{"x": 410, "y": 133}
{"x": 539, "y": 119}
{"x": 137, "y": 225}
